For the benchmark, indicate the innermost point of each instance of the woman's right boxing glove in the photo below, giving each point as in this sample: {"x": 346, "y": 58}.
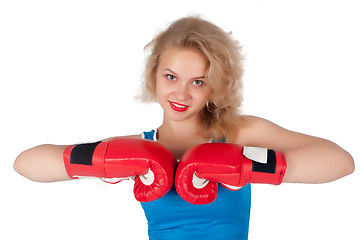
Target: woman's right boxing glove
{"x": 151, "y": 164}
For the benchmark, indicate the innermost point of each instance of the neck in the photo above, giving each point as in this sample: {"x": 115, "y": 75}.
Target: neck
{"x": 183, "y": 130}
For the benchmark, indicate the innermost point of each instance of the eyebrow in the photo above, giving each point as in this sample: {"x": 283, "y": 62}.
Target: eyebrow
{"x": 200, "y": 77}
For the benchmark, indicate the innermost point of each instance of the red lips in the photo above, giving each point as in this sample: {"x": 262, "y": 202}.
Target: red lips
{"x": 178, "y": 107}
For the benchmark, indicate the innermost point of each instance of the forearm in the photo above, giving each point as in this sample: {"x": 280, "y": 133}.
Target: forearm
{"x": 320, "y": 162}
{"x": 43, "y": 163}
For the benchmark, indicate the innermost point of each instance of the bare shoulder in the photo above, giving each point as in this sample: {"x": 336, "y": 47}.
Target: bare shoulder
{"x": 250, "y": 128}
{"x": 256, "y": 131}
{"x": 128, "y": 136}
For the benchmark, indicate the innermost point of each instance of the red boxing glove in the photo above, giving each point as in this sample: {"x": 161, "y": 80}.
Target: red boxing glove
{"x": 204, "y": 166}
{"x": 149, "y": 162}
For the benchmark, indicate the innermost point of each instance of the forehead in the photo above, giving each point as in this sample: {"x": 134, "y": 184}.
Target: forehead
{"x": 183, "y": 59}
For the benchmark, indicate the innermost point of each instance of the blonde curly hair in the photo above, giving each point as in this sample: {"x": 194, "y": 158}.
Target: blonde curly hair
{"x": 221, "y": 115}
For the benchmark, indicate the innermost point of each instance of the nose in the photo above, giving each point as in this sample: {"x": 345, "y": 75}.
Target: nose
{"x": 182, "y": 92}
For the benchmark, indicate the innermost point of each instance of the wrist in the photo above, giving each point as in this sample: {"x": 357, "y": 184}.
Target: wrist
{"x": 85, "y": 160}
{"x": 261, "y": 165}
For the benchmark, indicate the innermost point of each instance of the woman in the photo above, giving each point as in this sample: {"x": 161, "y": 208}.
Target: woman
{"x": 194, "y": 72}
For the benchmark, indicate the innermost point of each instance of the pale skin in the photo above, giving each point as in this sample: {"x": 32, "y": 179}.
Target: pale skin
{"x": 181, "y": 84}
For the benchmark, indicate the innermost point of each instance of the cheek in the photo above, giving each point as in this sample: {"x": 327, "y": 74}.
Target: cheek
{"x": 161, "y": 89}
{"x": 202, "y": 98}
{"x": 205, "y": 94}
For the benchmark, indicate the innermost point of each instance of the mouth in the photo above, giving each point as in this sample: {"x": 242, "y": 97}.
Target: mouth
{"x": 178, "y": 107}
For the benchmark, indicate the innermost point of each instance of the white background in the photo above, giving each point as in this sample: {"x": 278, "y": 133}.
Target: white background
{"x": 69, "y": 71}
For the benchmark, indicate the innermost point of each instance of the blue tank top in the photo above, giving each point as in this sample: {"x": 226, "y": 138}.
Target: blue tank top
{"x": 170, "y": 217}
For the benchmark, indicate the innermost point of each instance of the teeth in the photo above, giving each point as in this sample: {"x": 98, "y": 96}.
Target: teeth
{"x": 180, "y": 106}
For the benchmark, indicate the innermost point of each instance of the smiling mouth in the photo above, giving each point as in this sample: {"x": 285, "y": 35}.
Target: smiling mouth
{"x": 178, "y": 107}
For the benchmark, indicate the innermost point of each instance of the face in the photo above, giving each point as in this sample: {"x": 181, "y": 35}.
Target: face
{"x": 181, "y": 84}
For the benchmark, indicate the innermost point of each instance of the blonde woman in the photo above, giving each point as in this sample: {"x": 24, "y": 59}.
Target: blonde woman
{"x": 194, "y": 72}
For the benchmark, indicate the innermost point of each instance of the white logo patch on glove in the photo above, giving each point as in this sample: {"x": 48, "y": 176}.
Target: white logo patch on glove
{"x": 199, "y": 183}
{"x": 148, "y": 178}
{"x": 256, "y": 154}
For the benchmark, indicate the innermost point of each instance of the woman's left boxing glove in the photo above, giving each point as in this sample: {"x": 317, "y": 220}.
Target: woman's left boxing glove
{"x": 204, "y": 166}
{"x": 151, "y": 164}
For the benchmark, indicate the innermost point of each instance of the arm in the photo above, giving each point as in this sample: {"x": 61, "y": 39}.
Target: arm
{"x": 309, "y": 159}
{"x": 44, "y": 163}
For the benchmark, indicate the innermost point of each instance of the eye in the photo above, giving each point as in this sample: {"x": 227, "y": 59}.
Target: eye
{"x": 171, "y": 77}
{"x": 198, "y": 82}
